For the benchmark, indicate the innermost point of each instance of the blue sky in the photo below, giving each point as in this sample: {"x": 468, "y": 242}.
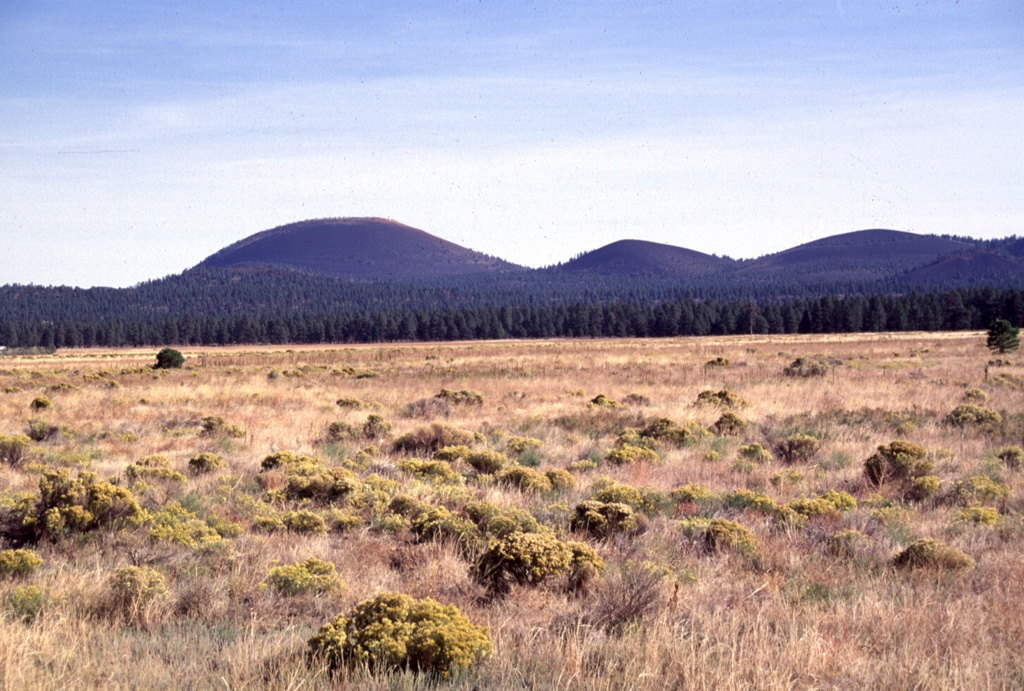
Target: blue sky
{"x": 136, "y": 138}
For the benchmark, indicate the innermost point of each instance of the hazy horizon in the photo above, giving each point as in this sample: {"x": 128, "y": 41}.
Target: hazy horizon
{"x": 137, "y": 140}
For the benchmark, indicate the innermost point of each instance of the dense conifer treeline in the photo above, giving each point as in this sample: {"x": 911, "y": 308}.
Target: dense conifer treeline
{"x": 965, "y": 308}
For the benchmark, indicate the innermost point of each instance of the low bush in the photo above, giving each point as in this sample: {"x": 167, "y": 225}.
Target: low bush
{"x": 531, "y": 558}
{"x": 560, "y": 479}
{"x": 627, "y": 454}
{"x": 601, "y": 520}
{"x": 205, "y": 462}
{"x": 214, "y": 426}
{"x": 846, "y": 543}
{"x": 439, "y": 524}
{"x": 437, "y": 472}
{"x": 311, "y": 576}
{"x": 797, "y": 448}
{"x": 969, "y": 415}
{"x": 664, "y": 430}
{"x": 1011, "y": 456}
{"x": 729, "y": 424}
{"x": 16, "y": 563}
{"x": 13, "y": 448}
{"x": 602, "y": 401}
{"x": 524, "y": 479}
{"x": 520, "y": 445}
{"x": 463, "y": 397}
{"x": 304, "y": 521}
{"x": 376, "y": 427}
{"x": 134, "y": 587}
{"x": 395, "y": 632}
{"x": 153, "y": 468}
{"x": 27, "y": 602}
{"x": 180, "y": 526}
{"x": 899, "y": 461}
{"x": 979, "y": 489}
{"x": 754, "y": 452}
{"x": 487, "y": 461}
{"x": 929, "y": 553}
{"x": 722, "y": 399}
{"x": 719, "y": 534}
{"x": 985, "y": 515}
{"x": 450, "y": 454}
{"x": 499, "y": 521}
{"x": 432, "y": 437}
{"x": 807, "y": 367}
{"x": 41, "y": 403}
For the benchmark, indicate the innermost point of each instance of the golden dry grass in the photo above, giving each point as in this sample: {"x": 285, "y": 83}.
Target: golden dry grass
{"x": 797, "y": 617}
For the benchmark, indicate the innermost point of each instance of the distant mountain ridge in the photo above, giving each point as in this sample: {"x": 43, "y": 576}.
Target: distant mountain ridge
{"x": 377, "y": 249}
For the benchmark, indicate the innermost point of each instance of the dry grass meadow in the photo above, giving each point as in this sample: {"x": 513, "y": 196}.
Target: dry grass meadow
{"x": 812, "y": 597}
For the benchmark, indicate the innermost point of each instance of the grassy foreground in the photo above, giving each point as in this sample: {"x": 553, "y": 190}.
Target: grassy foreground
{"x": 743, "y": 544}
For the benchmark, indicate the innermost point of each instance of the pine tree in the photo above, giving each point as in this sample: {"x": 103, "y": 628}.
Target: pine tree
{"x": 1003, "y": 336}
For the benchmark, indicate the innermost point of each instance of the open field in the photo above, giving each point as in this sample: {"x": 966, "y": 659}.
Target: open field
{"x": 678, "y": 596}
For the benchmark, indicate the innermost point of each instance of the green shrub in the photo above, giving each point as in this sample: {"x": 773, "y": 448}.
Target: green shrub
{"x": 341, "y": 431}
{"x": 27, "y": 602}
{"x": 1011, "y": 456}
{"x": 722, "y": 399}
{"x": 41, "y": 403}
{"x": 729, "y": 424}
{"x": 754, "y": 452}
{"x": 439, "y": 524}
{"x": 18, "y": 562}
{"x": 520, "y": 445}
{"x": 693, "y": 493}
{"x": 430, "y": 438}
{"x": 304, "y": 521}
{"x": 354, "y": 403}
{"x": 647, "y": 500}
{"x": 669, "y": 432}
{"x": 976, "y": 396}
{"x": 169, "y": 358}
{"x": 328, "y": 486}
{"x": 786, "y": 477}
{"x": 846, "y": 543}
{"x": 310, "y": 576}
{"x": 830, "y": 503}
{"x": 82, "y": 504}
{"x": 437, "y": 472}
{"x": 560, "y": 479}
{"x": 531, "y": 558}
{"x": 205, "y": 462}
{"x": 583, "y": 465}
{"x": 718, "y": 534}
{"x": 985, "y": 515}
{"x": 929, "y": 553}
{"x": 969, "y": 415}
{"x": 376, "y": 427}
{"x": 292, "y": 462}
{"x": 499, "y": 521}
{"x": 407, "y": 506}
{"x": 450, "y": 454}
{"x": 214, "y": 426}
{"x": 153, "y": 467}
{"x": 806, "y": 367}
{"x": 524, "y": 479}
{"x": 923, "y": 487}
{"x": 899, "y": 461}
{"x": 602, "y": 520}
{"x": 717, "y": 362}
{"x": 797, "y": 448}
{"x": 394, "y": 632}
{"x": 487, "y": 461}
{"x": 133, "y": 587}
{"x": 42, "y": 430}
{"x": 179, "y": 525}
{"x": 602, "y": 401}
{"x": 13, "y": 448}
{"x": 979, "y": 489}
{"x": 463, "y": 397}
{"x": 627, "y": 454}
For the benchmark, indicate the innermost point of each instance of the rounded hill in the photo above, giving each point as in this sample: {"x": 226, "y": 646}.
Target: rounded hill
{"x": 357, "y": 248}
{"x": 638, "y": 257}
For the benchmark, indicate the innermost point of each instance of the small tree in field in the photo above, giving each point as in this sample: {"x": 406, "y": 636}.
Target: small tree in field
{"x": 1003, "y": 336}
{"x": 169, "y": 358}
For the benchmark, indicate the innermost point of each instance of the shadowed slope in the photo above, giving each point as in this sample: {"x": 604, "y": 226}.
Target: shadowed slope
{"x": 358, "y": 248}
